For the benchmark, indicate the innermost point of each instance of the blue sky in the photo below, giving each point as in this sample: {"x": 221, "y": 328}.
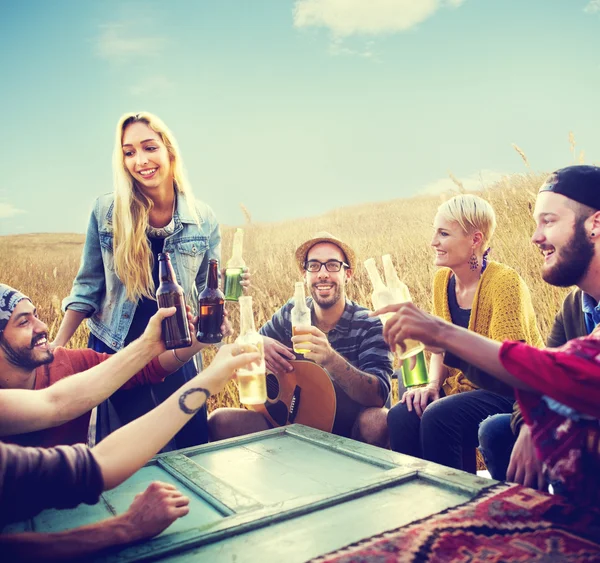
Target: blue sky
{"x": 292, "y": 108}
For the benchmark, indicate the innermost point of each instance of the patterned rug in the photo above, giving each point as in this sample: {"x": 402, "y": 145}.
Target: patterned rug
{"x": 506, "y": 523}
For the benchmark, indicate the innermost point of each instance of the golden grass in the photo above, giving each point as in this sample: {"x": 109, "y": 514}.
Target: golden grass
{"x": 44, "y": 265}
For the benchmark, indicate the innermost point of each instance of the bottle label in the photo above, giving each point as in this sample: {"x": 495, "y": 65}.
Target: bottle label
{"x": 210, "y": 319}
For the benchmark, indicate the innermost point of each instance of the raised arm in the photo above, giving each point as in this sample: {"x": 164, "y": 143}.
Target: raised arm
{"x": 26, "y": 411}
{"x": 410, "y": 322}
{"x": 116, "y": 458}
{"x": 123, "y": 452}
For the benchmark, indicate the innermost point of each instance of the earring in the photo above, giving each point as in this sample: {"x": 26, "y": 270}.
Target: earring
{"x": 473, "y": 262}
{"x": 593, "y": 234}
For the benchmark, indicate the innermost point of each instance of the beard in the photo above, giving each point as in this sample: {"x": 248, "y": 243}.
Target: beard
{"x": 25, "y": 357}
{"x": 327, "y": 302}
{"x": 572, "y": 261}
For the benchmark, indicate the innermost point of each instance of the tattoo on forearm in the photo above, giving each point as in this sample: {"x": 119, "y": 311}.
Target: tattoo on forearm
{"x": 352, "y": 381}
{"x": 189, "y": 392}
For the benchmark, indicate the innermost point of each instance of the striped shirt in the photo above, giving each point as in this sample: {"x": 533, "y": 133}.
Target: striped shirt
{"x": 356, "y": 337}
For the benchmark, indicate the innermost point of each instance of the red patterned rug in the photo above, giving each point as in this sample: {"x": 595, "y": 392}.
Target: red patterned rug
{"x": 506, "y": 523}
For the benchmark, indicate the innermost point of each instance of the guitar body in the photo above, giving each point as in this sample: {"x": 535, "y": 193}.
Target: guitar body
{"x": 303, "y": 396}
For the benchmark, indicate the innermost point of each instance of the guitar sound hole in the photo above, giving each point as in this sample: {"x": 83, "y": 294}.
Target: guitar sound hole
{"x": 272, "y": 387}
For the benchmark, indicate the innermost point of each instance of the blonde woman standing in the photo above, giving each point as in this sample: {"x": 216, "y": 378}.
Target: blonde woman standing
{"x": 151, "y": 210}
{"x": 439, "y": 422}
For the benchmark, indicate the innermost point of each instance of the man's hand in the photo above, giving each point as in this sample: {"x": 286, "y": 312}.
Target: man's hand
{"x": 420, "y": 397}
{"x": 524, "y": 466}
{"x": 155, "y": 510}
{"x": 153, "y": 333}
{"x": 277, "y": 356}
{"x": 410, "y": 322}
{"x": 311, "y": 338}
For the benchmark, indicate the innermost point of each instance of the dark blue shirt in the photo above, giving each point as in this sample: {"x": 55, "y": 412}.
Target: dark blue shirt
{"x": 356, "y": 337}
{"x": 460, "y": 317}
{"x": 591, "y": 312}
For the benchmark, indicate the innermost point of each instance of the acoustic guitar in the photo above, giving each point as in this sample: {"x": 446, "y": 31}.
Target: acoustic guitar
{"x": 303, "y": 396}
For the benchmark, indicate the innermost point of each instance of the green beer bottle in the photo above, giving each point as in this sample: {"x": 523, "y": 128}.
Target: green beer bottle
{"x": 235, "y": 267}
{"x": 417, "y": 375}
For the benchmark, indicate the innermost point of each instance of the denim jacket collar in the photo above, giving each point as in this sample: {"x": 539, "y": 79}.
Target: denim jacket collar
{"x": 182, "y": 213}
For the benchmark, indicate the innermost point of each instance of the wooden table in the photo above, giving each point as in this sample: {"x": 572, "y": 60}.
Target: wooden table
{"x": 287, "y": 494}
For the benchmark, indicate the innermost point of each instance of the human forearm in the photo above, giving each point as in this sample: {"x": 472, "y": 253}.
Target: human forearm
{"x": 26, "y": 411}
{"x": 68, "y": 326}
{"x": 478, "y": 351}
{"x": 61, "y": 546}
{"x": 172, "y": 360}
{"x": 123, "y": 452}
{"x": 437, "y": 371}
{"x": 360, "y": 386}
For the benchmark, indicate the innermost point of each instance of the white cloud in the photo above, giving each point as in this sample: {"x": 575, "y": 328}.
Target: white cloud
{"x": 473, "y": 182}
{"x": 593, "y": 7}
{"x": 8, "y": 210}
{"x": 362, "y": 17}
{"x": 118, "y": 42}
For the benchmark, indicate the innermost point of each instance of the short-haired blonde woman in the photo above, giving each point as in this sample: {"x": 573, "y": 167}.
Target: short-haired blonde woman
{"x": 151, "y": 210}
{"x": 439, "y": 422}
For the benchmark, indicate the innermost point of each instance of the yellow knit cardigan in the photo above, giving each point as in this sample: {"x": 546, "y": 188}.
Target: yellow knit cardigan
{"x": 502, "y": 310}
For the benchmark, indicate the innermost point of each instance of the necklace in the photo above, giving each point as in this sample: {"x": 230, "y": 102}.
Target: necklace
{"x": 163, "y": 232}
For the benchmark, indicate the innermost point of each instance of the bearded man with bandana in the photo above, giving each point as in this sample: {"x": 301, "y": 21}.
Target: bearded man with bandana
{"x": 28, "y": 362}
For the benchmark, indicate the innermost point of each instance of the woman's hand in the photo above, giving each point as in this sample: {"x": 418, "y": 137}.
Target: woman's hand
{"x": 419, "y": 398}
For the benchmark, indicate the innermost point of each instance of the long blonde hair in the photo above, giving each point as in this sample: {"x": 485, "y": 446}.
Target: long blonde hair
{"x": 132, "y": 252}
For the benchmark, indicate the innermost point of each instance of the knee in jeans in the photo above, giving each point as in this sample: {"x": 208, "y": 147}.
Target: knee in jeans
{"x": 436, "y": 414}
{"x": 396, "y": 414}
{"x": 491, "y": 429}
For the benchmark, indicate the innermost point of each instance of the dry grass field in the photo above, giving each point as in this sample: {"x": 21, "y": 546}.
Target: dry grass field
{"x": 44, "y": 265}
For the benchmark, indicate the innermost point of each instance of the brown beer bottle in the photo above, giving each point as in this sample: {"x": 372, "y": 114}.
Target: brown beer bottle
{"x": 175, "y": 329}
{"x": 210, "y": 307}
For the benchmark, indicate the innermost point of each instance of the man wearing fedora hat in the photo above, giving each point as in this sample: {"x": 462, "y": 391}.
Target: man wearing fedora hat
{"x": 343, "y": 339}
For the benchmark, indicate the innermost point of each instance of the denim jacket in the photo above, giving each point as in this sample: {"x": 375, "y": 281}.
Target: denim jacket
{"x": 100, "y": 294}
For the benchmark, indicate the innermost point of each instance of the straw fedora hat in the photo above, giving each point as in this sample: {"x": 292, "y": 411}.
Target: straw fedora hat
{"x": 324, "y": 236}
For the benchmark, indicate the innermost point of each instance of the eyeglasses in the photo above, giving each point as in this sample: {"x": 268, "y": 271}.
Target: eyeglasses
{"x": 315, "y": 266}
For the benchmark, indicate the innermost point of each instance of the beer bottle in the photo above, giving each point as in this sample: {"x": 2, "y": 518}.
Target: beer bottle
{"x": 210, "y": 307}
{"x": 175, "y": 329}
{"x": 251, "y": 381}
{"x": 401, "y": 295}
{"x": 235, "y": 267}
{"x": 300, "y": 315}
{"x": 418, "y": 374}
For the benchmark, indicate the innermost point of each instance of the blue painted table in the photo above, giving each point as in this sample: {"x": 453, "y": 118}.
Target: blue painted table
{"x": 290, "y": 494}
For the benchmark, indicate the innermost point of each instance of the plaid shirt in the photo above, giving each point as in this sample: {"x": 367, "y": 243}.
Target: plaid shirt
{"x": 356, "y": 337}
